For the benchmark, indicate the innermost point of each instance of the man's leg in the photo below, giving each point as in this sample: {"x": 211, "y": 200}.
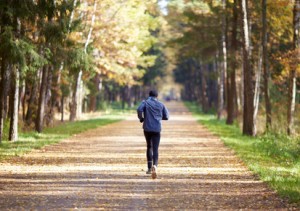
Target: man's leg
{"x": 149, "y": 152}
{"x": 155, "y": 145}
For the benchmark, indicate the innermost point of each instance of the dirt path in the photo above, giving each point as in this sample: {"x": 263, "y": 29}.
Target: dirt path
{"x": 105, "y": 169}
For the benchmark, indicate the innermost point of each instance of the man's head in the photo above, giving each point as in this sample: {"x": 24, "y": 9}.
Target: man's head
{"x": 153, "y": 93}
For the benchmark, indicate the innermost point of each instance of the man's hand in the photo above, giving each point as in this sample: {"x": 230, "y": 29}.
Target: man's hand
{"x": 141, "y": 120}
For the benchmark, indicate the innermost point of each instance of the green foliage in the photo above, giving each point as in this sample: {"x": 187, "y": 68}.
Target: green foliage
{"x": 5, "y": 130}
{"x": 78, "y": 60}
{"x": 157, "y": 70}
{"x": 274, "y": 157}
{"x": 280, "y": 147}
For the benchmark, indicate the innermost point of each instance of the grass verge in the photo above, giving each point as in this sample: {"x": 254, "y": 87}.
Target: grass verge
{"x": 274, "y": 157}
{"x": 33, "y": 140}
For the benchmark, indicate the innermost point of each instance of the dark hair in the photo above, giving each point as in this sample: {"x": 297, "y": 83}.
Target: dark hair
{"x": 153, "y": 93}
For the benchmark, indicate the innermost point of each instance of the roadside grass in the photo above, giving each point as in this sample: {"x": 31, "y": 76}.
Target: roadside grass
{"x": 274, "y": 157}
{"x": 32, "y": 140}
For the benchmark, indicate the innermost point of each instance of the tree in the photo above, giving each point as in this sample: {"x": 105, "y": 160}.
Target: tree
{"x": 295, "y": 65}
{"x": 231, "y": 75}
{"x": 248, "y": 108}
{"x": 222, "y": 77}
{"x": 265, "y": 65}
{"x": 14, "y": 51}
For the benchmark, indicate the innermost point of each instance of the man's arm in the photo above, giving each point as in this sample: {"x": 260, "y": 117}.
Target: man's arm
{"x": 140, "y": 111}
{"x": 165, "y": 113}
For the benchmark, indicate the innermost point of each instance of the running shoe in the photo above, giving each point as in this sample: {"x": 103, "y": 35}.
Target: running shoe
{"x": 149, "y": 171}
{"x": 154, "y": 172}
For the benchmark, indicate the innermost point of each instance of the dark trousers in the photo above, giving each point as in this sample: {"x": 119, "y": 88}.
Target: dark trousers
{"x": 152, "y": 139}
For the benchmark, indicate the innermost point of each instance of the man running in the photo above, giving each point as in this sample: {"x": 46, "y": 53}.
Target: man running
{"x": 151, "y": 112}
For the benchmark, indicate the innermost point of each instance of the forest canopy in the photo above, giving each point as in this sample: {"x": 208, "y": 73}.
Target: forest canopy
{"x": 239, "y": 58}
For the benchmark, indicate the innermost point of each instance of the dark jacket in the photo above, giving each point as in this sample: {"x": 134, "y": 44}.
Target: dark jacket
{"x": 151, "y": 112}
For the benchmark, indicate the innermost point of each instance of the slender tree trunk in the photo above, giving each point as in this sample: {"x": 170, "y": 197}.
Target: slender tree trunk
{"x": 50, "y": 96}
{"x": 292, "y": 79}
{"x": 129, "y": 96}
{"x": 80, "y": 95}
{"x": 93, "y": 102}
{"x": 223, "y": 71}
{"x": 6, "y": 106}
{"x": 13, "y": 131}
{"x": 97, "y": 82}
{"x": 220, "y": 90}
{"x": 248, "y": 111}
{"x": 3, "y": 94}
{"x": 32, "y": 102}
{"x": 73, "y": 105}
{"x": 42, "y": 98}
{"x": 62, "y": 108}
{"x": 123, "y": 97}
{"x": 265, "y": 66}
{"x": 231, "y": 87}
{"x": 257, "y": 87}
{"x": 22, "y": 99}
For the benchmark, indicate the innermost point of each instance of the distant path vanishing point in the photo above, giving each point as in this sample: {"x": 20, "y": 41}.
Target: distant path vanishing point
{"x": 104, "y": 168}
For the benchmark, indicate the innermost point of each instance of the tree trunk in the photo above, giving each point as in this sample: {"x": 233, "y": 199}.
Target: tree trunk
{"x": 123, "y": 97}
{"x": 129, "y": 96}
{"x": 292, "y": 79}
{"x": 220, "y": 93}
{"x": 50, "y": 96}
{"x": 42, "y": 98}
{"x": 13, "y": 131}
{"x": 80, "y": 95}
{"x": 6, "y": 110}
{"x": 73, "y": 105}
{"x": 62, "y": 108}
{"x": 22, "y": 100}
{"x": 224, "y": 62}
{"x": 248, "y": 111}
{"x": 93, "y": 102}
{"x": 3, "y": 94}
{"x": 265, "y": 66}
{"x": 257, "y": 87}
{"x": 231, "y": 80}
{"x": 32, "y": 102}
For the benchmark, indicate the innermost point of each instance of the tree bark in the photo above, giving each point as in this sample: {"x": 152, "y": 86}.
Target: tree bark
{"x": 73, "y": 105}
{"x": 248, "y": 111}
{"x": 231, "y": 78}
{"x": 32, "y": 102}
{"x": 3, "y": 94}
{"x": 265, "y": 66}
{"x": 13, "y": 131}
{"x": 224, "y": 62}
{"x": 257, "y": 87}
{"x": 62, "y": 108}
{"x": 292, "y": 77}
{"x": 50, "y": 97}
{"x": 22, "y": 100}
{"x": 220, "y": 92}
{"x": 42, "y": 98}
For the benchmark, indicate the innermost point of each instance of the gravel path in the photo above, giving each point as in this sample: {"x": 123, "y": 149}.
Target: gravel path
{"x": 105, "y": 168}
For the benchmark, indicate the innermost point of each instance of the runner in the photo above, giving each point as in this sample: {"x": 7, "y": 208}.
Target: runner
{"x": 150, "y": 113}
